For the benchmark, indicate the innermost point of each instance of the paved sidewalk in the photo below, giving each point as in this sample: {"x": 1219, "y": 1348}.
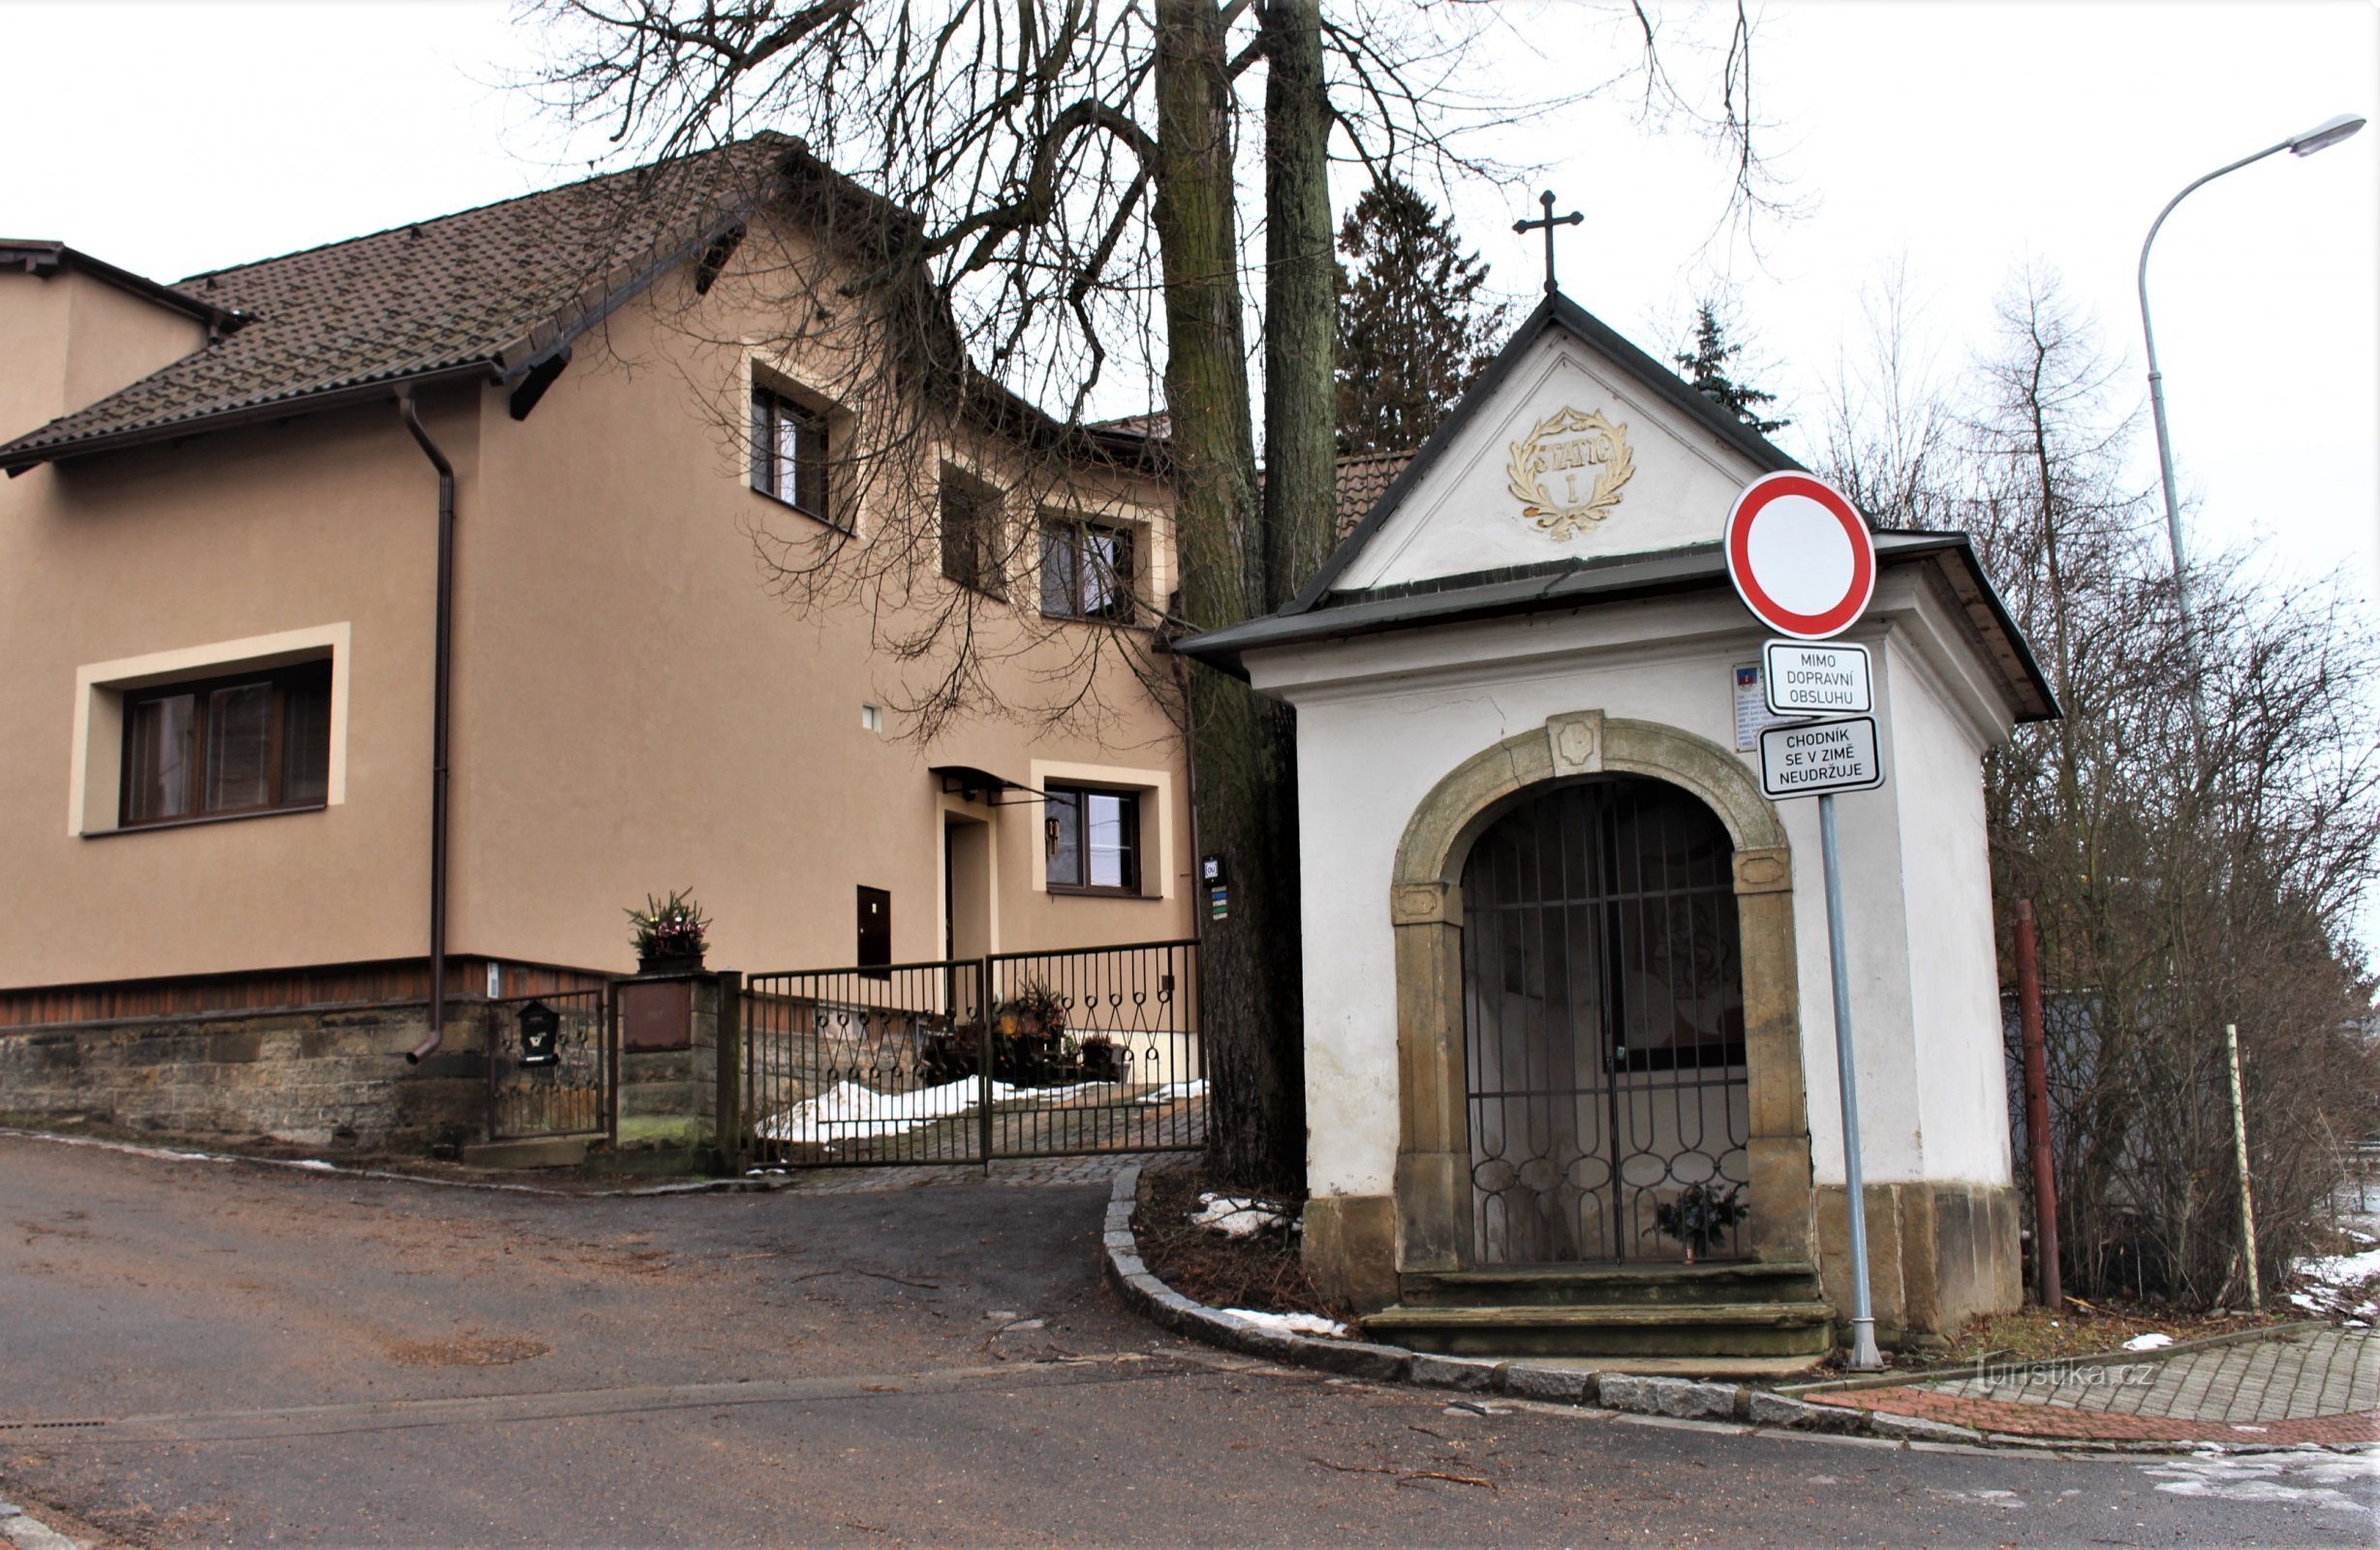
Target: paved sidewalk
{"x": 2306, "y": 1386}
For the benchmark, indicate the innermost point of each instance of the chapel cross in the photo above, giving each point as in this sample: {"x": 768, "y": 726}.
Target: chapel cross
{"x": 1549, "y": 222}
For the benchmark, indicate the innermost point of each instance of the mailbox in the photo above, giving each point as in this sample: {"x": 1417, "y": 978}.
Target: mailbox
{"x": 541, "y": 1035}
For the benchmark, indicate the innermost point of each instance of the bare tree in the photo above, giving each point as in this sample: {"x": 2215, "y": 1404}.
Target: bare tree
{"x": 1005, "y": 203}
{"x": 2177, "y": 889}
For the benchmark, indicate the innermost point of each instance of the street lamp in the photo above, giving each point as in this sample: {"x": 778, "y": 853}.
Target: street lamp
{"x": 2330, "y": 131}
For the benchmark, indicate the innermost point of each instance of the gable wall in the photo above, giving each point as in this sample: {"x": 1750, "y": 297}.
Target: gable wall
{"x": 1461, "y": 517}
{"x": 71, "y": 340}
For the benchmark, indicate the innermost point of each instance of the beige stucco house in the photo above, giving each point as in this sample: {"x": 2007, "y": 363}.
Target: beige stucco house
{"x": 223, "y": 596}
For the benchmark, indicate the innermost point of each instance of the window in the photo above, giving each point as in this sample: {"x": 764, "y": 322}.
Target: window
{"x": 1085, "y": 570}
{"x": 255, "y": 742}
{"x": 1094, "y": 839}
{"x": 971, "y": 532}
{"x": 788, "y": 453}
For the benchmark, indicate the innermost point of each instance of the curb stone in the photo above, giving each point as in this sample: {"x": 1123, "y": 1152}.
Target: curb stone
{"x": 26, "y": 1532}
{"x": 1671, "y": 1398}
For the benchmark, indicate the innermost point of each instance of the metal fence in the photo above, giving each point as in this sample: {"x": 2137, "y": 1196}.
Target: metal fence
{"x": 1016, "y": 1055}
{"x": 559, "y": 1082}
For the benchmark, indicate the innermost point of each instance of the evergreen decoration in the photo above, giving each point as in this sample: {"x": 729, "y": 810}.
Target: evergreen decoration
{"x": 1412, "y": 328}
{"x": 671, "y": 928}
{"x": 1705, "y": 367}
{"x": 1700, "y": 1215}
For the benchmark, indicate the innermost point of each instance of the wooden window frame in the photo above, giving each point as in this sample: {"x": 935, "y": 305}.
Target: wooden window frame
{"x": 811, "y": 495}
{"x": 284, "y": 679}
{"x": 1136, "y": 866}
{"x": 1072, "y": 534}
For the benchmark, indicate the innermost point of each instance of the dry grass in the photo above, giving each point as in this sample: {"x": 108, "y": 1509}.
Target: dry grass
{"x": 2090, "y": 1330}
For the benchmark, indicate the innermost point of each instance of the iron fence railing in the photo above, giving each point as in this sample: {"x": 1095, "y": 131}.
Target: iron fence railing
{"x": 1015, "y": 1055}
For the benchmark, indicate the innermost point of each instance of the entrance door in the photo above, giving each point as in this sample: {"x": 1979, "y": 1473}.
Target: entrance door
{"x": 1603, "y": 1017}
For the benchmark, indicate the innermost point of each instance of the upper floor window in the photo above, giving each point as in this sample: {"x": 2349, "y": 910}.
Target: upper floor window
{"x": 789, "y": 455}
{"x": 1085, "y": 570}
{"x": 1093, "y": 839}
{"x": 971, "y": 532}
{"x": 255, "y": 742}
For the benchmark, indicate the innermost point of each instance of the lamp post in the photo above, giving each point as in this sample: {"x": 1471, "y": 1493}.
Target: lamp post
{"x": 2330, "y": 131}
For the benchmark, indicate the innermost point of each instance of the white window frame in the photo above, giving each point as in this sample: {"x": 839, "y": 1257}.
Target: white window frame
{"x": 1154, "y": 786}
{"x": 95, "y": 781}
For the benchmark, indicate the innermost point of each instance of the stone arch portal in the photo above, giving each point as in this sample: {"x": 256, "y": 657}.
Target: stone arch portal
{"x": 1434, "y": 1181}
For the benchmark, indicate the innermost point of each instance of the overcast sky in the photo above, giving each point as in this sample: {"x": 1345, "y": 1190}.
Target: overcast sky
{"x": 1958, "y": 141}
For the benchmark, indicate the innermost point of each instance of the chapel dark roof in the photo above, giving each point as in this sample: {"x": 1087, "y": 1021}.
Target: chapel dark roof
{"x": 482, "y": 292}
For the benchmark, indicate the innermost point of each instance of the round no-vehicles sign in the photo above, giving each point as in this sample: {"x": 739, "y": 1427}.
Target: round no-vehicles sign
{"x": 1799, "y": 556}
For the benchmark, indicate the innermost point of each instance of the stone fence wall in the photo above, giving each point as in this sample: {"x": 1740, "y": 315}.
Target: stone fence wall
{"x": 316, "y": 1077}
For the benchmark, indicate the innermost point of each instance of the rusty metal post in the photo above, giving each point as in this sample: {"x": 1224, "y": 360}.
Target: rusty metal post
{"x": 2052, "y": 1289}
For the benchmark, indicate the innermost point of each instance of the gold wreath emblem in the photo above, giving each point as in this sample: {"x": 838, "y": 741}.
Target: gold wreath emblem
{"x": 1603, "y": 445}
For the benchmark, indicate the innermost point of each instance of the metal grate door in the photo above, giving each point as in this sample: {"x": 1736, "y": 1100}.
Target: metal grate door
{"x": 1603, "y": 1011}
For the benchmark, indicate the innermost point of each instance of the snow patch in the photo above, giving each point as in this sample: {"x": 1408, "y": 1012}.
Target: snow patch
{"x": 850, "y": 1112}
{"x": 1289, "y": 1323}
{"x": 1236, "y": 1216}
{"x": 2152, "y": 1342}
{"x": 1172, "y": 1091}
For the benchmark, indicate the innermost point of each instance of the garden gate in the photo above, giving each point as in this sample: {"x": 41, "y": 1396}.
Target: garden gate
{"x": 552, "y": 1065}
{"x": 965, "y": 1060}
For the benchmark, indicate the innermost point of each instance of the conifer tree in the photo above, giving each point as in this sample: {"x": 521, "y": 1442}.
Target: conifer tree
{"x": 1412, "y": 330}
{"x": 1706, "y": 367}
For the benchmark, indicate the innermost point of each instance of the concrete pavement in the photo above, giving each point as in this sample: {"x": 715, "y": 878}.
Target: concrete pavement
{"x": 274, "y": 1354}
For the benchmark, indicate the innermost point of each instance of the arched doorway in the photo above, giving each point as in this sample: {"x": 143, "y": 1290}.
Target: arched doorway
{"x": 1603, "y": 1022}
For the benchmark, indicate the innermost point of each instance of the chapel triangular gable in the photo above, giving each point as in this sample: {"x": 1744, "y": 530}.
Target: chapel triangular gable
{"x": 1573, "y": 445}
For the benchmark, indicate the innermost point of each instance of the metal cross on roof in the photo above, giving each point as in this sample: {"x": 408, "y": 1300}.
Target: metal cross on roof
{"x": 1549, "y": 222}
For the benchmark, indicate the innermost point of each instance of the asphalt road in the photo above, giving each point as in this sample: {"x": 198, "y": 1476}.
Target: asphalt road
{"x": 315, "y": 1358}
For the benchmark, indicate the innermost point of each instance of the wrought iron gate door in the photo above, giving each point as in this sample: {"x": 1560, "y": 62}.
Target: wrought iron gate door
{"x": 563, "y": 1086}
{"x": 1603, "y": 1014}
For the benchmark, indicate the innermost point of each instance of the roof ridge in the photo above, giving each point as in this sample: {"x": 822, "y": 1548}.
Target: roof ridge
{"x": 759, "y": 138}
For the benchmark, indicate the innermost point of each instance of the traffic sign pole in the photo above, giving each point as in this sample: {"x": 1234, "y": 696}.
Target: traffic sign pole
{"x": 1803, "y": 561}
{"x": 1865, "y": 1358}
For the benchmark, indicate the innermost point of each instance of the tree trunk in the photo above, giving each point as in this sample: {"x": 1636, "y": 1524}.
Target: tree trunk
{"x": 1300, "y": 305}
{"x": 1245, "y": 788}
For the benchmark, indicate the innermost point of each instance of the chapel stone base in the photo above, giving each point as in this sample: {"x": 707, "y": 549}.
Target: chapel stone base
{"x": 1350, "y": 1249}
{"x": 1938, "y": 1254}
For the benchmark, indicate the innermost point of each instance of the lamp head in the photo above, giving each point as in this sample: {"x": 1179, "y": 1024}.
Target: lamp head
{"x": 2330, "y": 131}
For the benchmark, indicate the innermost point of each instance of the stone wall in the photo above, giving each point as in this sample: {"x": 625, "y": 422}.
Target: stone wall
{"x": 315, "y": 1076}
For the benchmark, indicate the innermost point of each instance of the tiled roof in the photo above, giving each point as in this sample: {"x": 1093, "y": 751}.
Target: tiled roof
{"x": 1362, "y": 481}
{"x": 485, "y": 292}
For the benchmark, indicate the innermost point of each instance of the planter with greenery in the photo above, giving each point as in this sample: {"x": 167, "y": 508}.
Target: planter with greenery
{"x": 670, "y": 935}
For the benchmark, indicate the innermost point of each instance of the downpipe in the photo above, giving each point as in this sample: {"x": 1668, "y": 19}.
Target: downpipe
{"x": 441, "y": 659}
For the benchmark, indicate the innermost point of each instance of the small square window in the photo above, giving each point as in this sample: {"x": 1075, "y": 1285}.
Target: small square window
{"x": 1085, "y": 570}
{"x": 789, "y": 455}
{"x": 257, "y": 742}
{"x": 1093, "y": 839}
{"x": 971, "y": 547}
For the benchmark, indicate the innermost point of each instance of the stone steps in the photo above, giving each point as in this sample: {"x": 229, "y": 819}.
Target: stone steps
{"x": 1613, "y": 1285}
{"x": 1664, "y": 1329}
{"x": 1734, "y": 1309}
